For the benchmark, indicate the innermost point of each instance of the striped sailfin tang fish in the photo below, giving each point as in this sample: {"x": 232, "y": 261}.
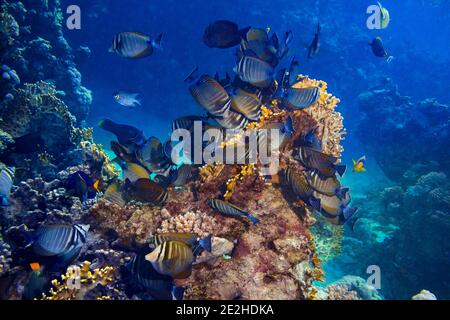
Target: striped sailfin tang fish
{"x": 60, "y": 240}
{"x": 114, "y": 195}
{"x": 188, "y": 238}
{"x": 142, "y": 272}
{"x": 134, "y": 45}
{"x": 333, "y": 205}
{"x": 232, "y": 120}
{"x": 172, "y": 258}
{"x": 327, "y": 186}
{"x": 182, "y": 175}
{"x": 248, "y": 104}
{"x": 231, "y": 210}
{"x": 186, "y": 122}
{"x": 210, "y": 94}
{"x": 301, "y": 98}
{"x": 6, "y": 183}
{"x": 314, "y": 159}
{"x": 145, "y": 190}
{"x": 297, "y": 181}
{"x": 254, "y": 71}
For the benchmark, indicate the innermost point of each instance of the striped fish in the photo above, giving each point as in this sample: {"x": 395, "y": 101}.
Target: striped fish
{"x": 62, "y": 241}
{"x": 257, "y": 34}
{"x": 186, "y": 122}
{"x": 182, "y": 175}
{"x": 143, "y": 273}
{"x": 134, "y": 172}
{"x": 231, "y": 210}
{"x": 172, "y": 258}
{"x": 211, "y": 95}
{"x": 332, "y": 205}
{"x": 232, "y": 120}
{"x": 336, "y": 210}
{"x": 324, "y": 164}
{"x": 301, "y": 98}
{"x": 152, "y": 151}
{"x": 188, "y": 238}
{"x": 114, "y": 195}
{"x": 134, "y": 45}
{"x": 6, "y": 183}
{"x": 248, "y": 104}
{"x": 300, "y": 186}
{"x": 145, "y": 190}
{"x": 328, "y": 186}
{"x": 254, "y": 71}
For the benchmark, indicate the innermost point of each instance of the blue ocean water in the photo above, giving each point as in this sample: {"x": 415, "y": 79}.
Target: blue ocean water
{"x": 418, "y": 37}
{"x": 404, "y": 233}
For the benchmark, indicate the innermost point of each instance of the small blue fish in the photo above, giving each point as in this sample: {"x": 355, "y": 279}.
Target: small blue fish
{"x": 6, "y": 183}
{"x": 127, "y": 99}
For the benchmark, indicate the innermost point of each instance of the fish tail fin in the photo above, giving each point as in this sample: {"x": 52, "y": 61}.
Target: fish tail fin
{"x": 349, "y": 212}
{"x": 363, "y": 169}
{"x": 315, "y": 203}
{"x": 178, "y": 292}
{"x": 205, "y": 243}
{"x": 340, "y": 169}
{"x": 252, "y": 218}
{"x": 157, "y": 43}
{"x": 4, "y": 201}
{"x": 341, "y": 192}
{"x": 389, "y": 59}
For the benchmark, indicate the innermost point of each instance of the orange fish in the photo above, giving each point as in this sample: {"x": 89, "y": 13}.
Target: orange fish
{"x": 35, "y": 266}
{"x": 358, "y": 166}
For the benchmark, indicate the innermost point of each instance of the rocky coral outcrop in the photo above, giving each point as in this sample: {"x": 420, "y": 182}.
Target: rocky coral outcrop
{"x": 410, "y": 138}
{"x": 33, "y": 45}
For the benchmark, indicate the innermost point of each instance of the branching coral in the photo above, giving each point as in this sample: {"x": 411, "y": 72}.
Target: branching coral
{"x": 341, "y": 292}
{"x": 197, "y": 222}
{"x": 88, "y": 280}
{"x": 136, "y": 222}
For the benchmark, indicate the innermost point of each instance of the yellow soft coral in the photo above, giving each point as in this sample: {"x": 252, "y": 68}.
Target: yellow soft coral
{"x": 88, "y": 279}
{"x": 231, "y": 183}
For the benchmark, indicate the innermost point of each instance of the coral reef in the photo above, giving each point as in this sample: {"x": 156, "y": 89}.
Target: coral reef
{"x": 411, "y": 138}
{"x": 349, "y": 288}
{"x": 33, "y": 45}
